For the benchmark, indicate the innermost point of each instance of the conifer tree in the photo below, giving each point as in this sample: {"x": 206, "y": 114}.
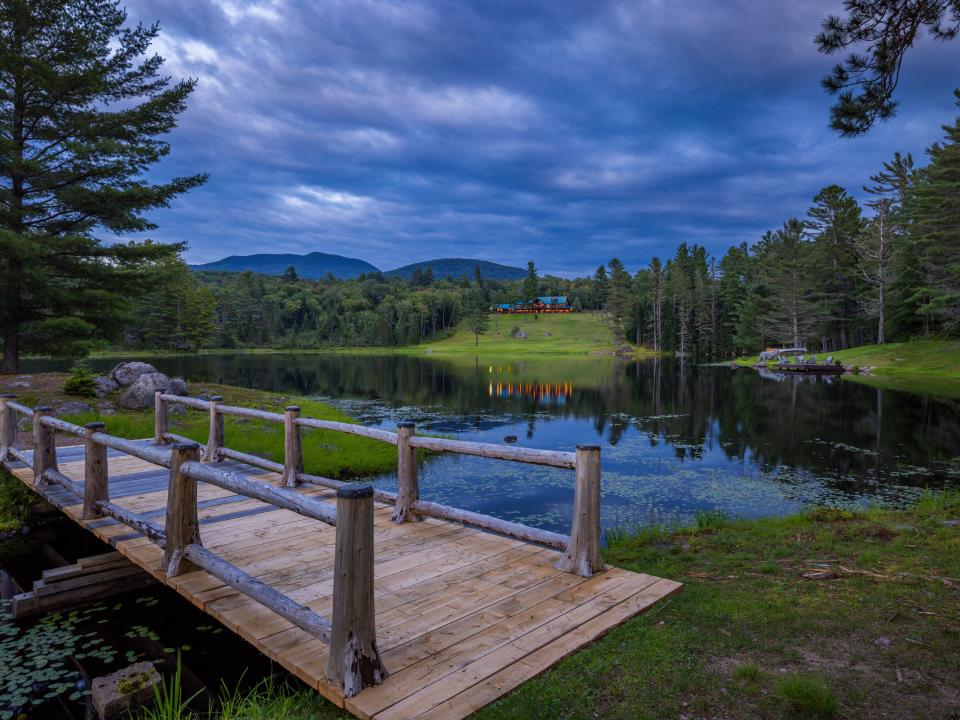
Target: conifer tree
{"x": 83, "y": 110}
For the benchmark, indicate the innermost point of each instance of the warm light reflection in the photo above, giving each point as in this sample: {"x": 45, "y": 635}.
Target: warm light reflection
{"x": 538, "y": 391}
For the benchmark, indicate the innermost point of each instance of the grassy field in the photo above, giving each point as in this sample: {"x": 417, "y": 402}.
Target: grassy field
{"x": 826, "y": 614}
{"x": 926, "y": 366}
{"x": 572, "y": 334}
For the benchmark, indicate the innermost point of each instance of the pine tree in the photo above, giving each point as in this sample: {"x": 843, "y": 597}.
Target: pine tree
{"x": 82, "y": 109}
{"x": 935, "y": 209}
{"x": 875, "y": 247}
{"x": 656, "y": 302}
{"x": 531, "y": 283}
{"x": 601, "y": 287}
{"x": 788, "y": 272}
{"x": 620, "y": 301}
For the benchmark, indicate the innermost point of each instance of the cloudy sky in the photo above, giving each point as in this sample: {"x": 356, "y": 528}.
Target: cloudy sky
{"x": 563, "y": 132}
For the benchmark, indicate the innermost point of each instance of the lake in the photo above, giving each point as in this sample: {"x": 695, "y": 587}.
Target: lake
{"x": 676, "y": 439}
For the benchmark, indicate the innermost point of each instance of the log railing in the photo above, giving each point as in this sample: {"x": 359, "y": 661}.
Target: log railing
{"x": 581, "y": 549}
{"x": 354, "y": 661}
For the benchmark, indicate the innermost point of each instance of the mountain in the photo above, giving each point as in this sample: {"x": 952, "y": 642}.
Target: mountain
{"x": 314, "y": 265}
{"x": 455, "y": 267}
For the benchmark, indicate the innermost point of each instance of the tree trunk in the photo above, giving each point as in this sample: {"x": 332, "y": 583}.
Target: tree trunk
{"x": 11, "y": 345}
{"x": 881, "y": 322}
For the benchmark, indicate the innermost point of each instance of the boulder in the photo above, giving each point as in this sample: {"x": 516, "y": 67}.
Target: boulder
{"x": 140, "y": 394}
{"x": 104, "y": 385}
{"x": 126, "y": 373}
{"x": 177, "y": 386}
{"x": 123, "y": 692}
{"x": 73, "y": 408}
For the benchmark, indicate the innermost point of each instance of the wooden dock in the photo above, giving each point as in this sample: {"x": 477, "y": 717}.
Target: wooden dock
{"x": 463, "y": 616}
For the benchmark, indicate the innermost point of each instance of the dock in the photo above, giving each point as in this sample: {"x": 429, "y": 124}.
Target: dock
{"x": 465, "y": 610}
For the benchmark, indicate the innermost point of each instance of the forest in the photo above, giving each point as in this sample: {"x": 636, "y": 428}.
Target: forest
{"x": 838, "y": 276}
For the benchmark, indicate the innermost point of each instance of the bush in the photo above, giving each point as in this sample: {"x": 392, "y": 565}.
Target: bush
{"x": 81, "y": 379}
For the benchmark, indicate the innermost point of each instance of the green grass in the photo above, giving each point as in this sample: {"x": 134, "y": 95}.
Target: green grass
{"x": 570, "y": 334}
{"x": 924, "y": 366}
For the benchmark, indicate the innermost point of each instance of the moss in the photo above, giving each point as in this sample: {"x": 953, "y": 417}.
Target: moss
{"x": 133, "y": 683}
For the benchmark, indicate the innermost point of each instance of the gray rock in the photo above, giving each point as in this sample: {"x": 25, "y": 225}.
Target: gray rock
{"x": 176, "y": 410}
{"x": 73, "y": 408}
{"x": 178, "y": 386}
{"x": 103, "y": 385}
{"x": 126, "y": 690}
{"x": 126, "y": 373}
{"x": 950, "y": 523}
{"x": 21, "y": 384}
{"x": 140, "y": 394}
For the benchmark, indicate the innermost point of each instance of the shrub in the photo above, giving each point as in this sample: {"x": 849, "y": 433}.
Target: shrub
{"x": 81, "y": 379}
{"x": 711, "y": 519}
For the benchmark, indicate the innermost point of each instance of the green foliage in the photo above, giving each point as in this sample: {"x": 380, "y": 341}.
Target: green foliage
{"x": 75, "y": 163}
{"x": 807, "y": 696}
{"x": 81, "y": 380}
{"x": 711, "y": 519}
{"x": 169, "y": 702}
{"x": 16, "y": 502}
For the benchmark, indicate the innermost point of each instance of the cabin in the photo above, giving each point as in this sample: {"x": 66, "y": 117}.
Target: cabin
{"x": 541, "y": 304}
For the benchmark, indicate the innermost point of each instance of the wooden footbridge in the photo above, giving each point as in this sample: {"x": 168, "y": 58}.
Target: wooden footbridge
{"x": 389, "y": 605}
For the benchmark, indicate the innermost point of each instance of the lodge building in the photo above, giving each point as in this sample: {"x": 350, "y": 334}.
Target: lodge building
{"x": 542, "y": 304}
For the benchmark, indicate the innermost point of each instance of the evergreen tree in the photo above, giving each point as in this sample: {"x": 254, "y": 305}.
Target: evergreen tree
{"x": 82, "y": 109}
{"x": 621, "y": 301}
{"x": 788, "y": 273}
{"x": 601, "y": 287}
{"x": 936, "y": 209}
{"x": 835, "y": 223}
{"x": 531, "y": 283}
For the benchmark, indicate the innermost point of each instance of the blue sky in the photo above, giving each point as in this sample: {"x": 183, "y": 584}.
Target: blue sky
{"x": 563, "y": 132}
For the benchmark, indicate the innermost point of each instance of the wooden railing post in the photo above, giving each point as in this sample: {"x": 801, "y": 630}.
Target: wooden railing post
{"x": 44, "y": 445}
{"x": 408, "y": 489}
{"x": 215, "y": 439}
{"x": 95, "y": 487}
{"x": 159, "y": 418}
{"x": 582, "y": 556}
{"x": 354, "y": 662}
{"x": 183, "y": 527}
{"x": 8, "y": 426}
{"x": 292, "y": 447}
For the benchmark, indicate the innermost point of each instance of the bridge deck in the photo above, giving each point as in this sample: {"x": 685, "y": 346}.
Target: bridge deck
{"x": 463, "y": 616}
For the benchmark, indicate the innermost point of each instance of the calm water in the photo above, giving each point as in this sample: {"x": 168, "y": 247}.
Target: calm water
{"x": 675, "y": 439}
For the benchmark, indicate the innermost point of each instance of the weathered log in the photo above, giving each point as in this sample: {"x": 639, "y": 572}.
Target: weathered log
{"x": 8, "y": 425}
{"x": 303, "y": 617}
{"x": 159, "y": 419}
{"x": 173, "y": 437}
{"x": 183, "y": 526}
{"x": 22, "y": 409}
{"x": 20, "y": 455}
{"x": 281, "y": 497}
{"x": 349, "y": 428}
{"x": 195, "y": 403}
{"x": 252, "y": 413}
{"x": 582, "y": 556}
{"x": 553, "y": 458}
{"x": 150, "y": 453}
{"x": 292, "y": 447}
{"x": 249, "y": 459}
{"x": 44, "y": 445}
{"x": 215, "y": 439}
{"x": 488, "y": 522}
{"x": 381, "y": 496}
{"x": 408, "y": 489}
{"x": 55, "y": 477}
{"x": 354, "y": 661}
{"x": 62, "y": 425}
{"x": 152, "y": 532}
{"x": 95, "y": 480}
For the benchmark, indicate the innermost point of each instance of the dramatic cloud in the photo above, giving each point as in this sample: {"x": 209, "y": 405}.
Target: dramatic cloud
{"x": 565, "y": 132}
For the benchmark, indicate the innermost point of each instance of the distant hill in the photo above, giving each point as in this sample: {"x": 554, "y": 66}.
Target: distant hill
{"x": 314, "y": 265}
{"x": 455, "y": 267}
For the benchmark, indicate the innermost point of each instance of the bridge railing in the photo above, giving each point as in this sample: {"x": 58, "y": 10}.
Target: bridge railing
{"x": 580, "y": 549}
{"x": 354, "y": 661}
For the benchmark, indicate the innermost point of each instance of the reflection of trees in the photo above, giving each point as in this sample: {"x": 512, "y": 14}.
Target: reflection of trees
{"x": 808, "y": 423}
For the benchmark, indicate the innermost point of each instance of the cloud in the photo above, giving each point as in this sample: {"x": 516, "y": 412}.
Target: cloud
{"x": 562, "y": 132}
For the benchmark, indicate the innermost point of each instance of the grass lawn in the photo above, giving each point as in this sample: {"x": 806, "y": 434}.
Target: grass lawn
{"x": 573, "y": 334}
{"x": 925, "y": 366}
{"x": 826, "y": 614}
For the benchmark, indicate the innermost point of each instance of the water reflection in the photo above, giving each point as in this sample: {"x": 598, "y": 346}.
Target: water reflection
{"x": 675, "y": 438}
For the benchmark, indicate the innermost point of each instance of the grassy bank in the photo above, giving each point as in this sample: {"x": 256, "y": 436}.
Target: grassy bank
{"x": 572, "y": 334}
{"x": 926, "y": 366}
{"x": 820, "y": 615}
